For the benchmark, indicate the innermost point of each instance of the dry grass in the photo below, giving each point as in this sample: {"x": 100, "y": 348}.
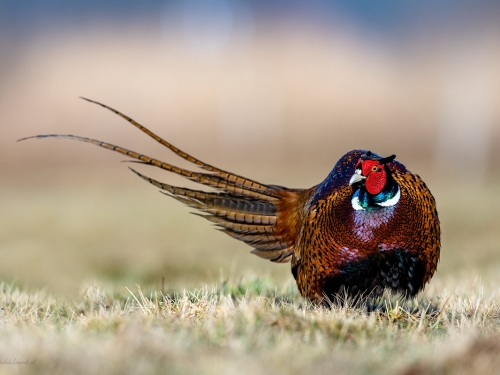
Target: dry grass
{"x": 59, "y": 235}
{"x": 251, "y": 327}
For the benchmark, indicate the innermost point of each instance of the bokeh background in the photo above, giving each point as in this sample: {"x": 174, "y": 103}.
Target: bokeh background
{"x": 274, "y": 90}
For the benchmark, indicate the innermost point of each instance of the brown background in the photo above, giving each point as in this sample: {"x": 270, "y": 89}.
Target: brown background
{"x": 276, "y": 100}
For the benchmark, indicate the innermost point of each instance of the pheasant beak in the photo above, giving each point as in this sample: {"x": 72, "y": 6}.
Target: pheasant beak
{"x": 356, "y": 177}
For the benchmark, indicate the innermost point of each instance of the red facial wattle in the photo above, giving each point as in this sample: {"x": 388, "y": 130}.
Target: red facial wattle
{"x": 375, "y": 174}
{"x": 376, "y": 181}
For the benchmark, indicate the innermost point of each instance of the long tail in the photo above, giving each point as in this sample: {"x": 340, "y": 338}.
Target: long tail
{"x": 242, "y": 208}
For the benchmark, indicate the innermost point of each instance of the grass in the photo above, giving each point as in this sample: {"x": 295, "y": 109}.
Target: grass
{"x": 250, "y": 327}
{"x": 56, "y": 238}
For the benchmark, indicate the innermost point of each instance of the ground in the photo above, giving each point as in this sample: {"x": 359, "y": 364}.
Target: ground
{"x": 249, "y": 327}
{"x": 83, "y": 264}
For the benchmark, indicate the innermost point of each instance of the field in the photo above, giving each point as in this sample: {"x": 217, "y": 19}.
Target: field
{"x": 250, "y": 327}
{"x": 96, "y": 257}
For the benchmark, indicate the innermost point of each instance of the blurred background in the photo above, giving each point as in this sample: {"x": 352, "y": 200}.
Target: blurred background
{"x": 274, "y": 90}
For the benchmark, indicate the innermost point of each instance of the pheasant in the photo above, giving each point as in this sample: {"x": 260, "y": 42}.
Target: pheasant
{"x": 370, "y": 225}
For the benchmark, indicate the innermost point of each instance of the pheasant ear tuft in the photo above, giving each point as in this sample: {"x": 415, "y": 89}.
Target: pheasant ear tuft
{"x": 387, "y": 159}
{"x": 370, "y": 156}
{"x": 367, "y": 156}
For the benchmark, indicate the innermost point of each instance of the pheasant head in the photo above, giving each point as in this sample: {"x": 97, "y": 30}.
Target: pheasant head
{"x": 373, "y": 183}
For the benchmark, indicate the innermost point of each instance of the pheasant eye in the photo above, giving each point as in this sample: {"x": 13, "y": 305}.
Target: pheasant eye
{"x": 375, "y": 168}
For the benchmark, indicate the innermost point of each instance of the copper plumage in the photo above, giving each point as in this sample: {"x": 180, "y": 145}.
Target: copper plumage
{"x": 370, "y": 225}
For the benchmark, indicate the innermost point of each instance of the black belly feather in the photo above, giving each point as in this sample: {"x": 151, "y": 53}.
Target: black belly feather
{"x": 397, "y": 270}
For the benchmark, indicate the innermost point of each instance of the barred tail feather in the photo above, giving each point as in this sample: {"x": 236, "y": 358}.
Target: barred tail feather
{"x": 210, "y": 180}
{"x": 280, "y": 256}
{"x": 244, "y": 209}
{"x": 227, "y": 176}
{"x": 250, "y": 221}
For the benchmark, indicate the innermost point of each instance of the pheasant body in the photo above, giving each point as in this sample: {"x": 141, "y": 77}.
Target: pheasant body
{"x": 371, "y": 224}
{"x": 367, "y": 250}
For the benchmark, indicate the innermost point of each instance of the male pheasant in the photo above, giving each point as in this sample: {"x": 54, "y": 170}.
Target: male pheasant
{"x": 370, "y": 225}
